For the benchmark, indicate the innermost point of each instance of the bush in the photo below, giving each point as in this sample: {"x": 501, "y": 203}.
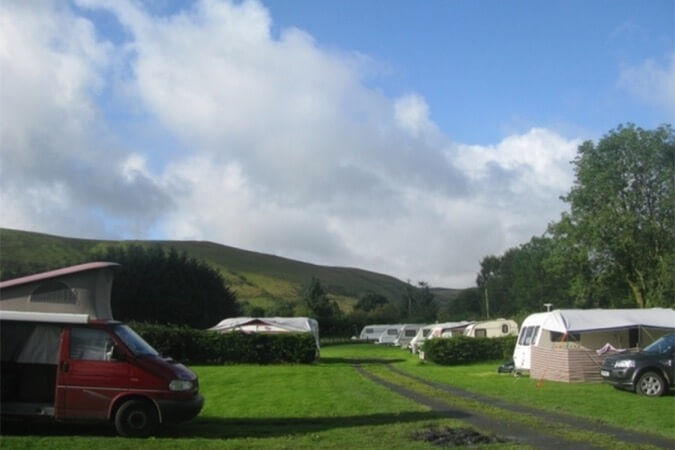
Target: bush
{"x": 464, "y": 350}
{"x": 208, "y": 347}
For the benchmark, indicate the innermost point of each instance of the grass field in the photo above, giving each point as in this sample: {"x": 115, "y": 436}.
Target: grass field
{"x": 330, "y": 405}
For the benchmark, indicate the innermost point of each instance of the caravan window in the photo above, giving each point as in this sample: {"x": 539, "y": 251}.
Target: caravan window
{"x": 480, "y": 332}
{"x": 528, "y": 335}
{"x": 505, "y": 329}
{"x": 410, "y": 333}
{"x": 369, "y": 331}
{"x": 523, "y": 333}
{"x": 392, "y": 332}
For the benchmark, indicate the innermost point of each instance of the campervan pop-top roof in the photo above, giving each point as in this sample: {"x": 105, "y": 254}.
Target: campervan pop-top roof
{"x": 81, "y": 289}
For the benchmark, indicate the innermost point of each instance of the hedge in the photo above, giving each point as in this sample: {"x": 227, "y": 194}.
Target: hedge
{"x": 463, "y": 350}
{"x": 193, "y": 346}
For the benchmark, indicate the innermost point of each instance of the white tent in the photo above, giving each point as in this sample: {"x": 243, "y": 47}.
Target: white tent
{"x": 269, "y": 325}
{"x": 569, "y": 344}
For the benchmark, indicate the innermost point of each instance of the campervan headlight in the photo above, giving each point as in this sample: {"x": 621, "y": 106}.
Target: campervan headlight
{"x": 624, "y": 363}
{"x": 181, "y": 385}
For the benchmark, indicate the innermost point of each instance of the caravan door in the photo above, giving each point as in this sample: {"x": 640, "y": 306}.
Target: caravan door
{"x": 89, "y": 376}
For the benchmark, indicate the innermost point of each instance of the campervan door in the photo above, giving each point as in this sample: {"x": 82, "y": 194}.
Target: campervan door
{"x": 530, "y": 332}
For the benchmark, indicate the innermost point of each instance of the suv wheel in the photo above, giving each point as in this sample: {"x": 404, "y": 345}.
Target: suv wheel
{"x": 651, "y": 384}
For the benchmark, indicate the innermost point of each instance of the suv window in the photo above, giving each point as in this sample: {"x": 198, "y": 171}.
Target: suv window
{"x": 662, "y": 345}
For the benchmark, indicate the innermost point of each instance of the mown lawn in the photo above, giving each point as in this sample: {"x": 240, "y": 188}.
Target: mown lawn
{"x": 599, "y": 402}
{"x": 330, "y": 406}
{"x": 327, "y": 405}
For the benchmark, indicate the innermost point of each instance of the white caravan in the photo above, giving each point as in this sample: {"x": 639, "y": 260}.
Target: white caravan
{"x": 529, "y": 336}
{"x": 420, "y": 337}
{"x": 390, "y": 334}
{"x": 589, "y": 330}
{"x": 492, "y": 328}
{"x": 372, "y": 332}
{"x": 448, "y": 329}
{"x": 440, "y": 330}
{"x": 408, "y": 332}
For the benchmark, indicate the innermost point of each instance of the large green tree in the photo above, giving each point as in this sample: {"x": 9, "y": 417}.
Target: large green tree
{"x": 152, "y": 285}
{"x": 620, "y": 229}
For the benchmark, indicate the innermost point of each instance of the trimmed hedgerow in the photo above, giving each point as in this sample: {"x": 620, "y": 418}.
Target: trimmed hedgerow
{"x": 463, "y": 350}
{"x": 193, "y": 346}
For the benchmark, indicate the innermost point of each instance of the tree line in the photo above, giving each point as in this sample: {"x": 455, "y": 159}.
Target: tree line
{"x": 613, "y": 248}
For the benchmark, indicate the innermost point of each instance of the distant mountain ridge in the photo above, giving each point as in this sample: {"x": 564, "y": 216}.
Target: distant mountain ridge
{"x": 257, "y": 278}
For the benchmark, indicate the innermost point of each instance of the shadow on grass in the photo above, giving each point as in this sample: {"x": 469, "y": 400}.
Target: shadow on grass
{"x": 359, "y": 361}
{"x": 226, "y": 428}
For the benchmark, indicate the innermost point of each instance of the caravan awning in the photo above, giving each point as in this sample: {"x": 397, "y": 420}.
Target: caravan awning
{"x": 580, "y": 320}
{"x": 269, "y": 324}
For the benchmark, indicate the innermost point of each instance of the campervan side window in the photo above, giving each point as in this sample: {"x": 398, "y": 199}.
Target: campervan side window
{"x": 480, "y": 332}
{"x": 53, "y": 292}
{"x": 90, "y": 344}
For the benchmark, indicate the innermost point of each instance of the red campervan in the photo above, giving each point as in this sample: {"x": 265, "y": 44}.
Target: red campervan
{"x": 64, "y": 357}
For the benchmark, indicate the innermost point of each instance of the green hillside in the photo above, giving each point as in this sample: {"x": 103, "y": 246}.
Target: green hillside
{"x": 255, "y": 277}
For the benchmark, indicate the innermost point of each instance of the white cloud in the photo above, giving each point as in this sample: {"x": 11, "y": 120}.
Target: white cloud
{"x": 60, "y": 166}
{"x": 651, "y": 82}
{"x": 412, "y": 114}
{"x": 281, "y": 147}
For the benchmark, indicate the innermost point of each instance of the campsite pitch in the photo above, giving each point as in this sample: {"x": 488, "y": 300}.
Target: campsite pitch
{"x": 372, "y": 397}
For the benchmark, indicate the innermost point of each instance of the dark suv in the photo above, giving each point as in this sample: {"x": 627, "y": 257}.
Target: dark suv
{"x": 648, "y": 372}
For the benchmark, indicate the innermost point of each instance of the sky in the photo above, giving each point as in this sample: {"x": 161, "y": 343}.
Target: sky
{"x": 403, "y": 137}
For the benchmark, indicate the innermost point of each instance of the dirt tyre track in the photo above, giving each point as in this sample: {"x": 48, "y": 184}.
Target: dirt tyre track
{"x": 512, "y": 431}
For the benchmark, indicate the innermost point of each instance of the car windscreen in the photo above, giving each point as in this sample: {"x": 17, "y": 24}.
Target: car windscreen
{"x": 662, "y": 345}
{"x": 134, "y": 342}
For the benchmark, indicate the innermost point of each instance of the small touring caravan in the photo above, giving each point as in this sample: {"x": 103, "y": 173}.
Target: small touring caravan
{"x": 419, "y": 338}
{"x": 492, "y": 328}
{"x": 372, "y": 332}
{"x": 390, "y": 334}
{"x": 407, "y": 333}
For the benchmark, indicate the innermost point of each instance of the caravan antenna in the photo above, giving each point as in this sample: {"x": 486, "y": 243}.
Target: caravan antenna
{"x": 548, "y": 306}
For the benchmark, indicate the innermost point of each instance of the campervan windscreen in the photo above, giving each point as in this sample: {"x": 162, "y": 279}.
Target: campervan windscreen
{"x": 135, "y": 343}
